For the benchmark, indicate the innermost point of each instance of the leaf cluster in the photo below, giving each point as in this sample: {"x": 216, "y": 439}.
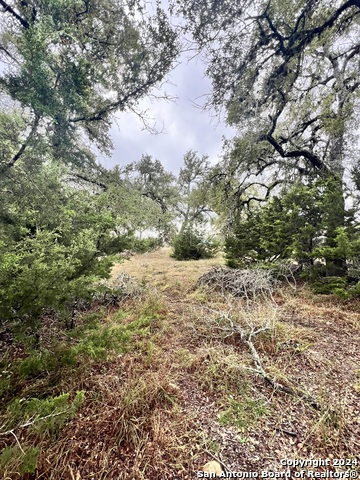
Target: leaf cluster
{"x": 72, "y": 65}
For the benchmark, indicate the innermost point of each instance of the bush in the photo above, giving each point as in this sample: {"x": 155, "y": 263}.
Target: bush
{"x": 239, "y": 282}
{"x": 40, "y": 273}
{"x": 146, "y": 244}
{"x": 190, "y": 245}
{"x": 25, "y": 461}
{"x": 329, "y": 285}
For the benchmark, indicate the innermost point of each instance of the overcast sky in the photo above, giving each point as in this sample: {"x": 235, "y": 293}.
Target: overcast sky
{"x": 184, "y": 126}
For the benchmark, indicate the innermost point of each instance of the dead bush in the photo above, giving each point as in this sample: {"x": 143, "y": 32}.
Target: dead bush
{"x": 239, "y": 282}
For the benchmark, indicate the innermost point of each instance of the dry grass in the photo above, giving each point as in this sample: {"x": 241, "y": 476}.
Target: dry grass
{"x": 186, "y": 388}
{"x": 165, "y": 272}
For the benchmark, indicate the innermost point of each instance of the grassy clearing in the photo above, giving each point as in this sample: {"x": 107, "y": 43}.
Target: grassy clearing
{"x": 147, "y": 390}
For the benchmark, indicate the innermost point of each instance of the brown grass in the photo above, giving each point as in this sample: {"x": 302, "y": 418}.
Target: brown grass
{"x": 153, "y": 412}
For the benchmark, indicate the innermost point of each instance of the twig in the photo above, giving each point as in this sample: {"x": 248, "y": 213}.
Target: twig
{"x": 31, "y": 422}
{"x": 226, "y": 468}
{"x": 17, "y": 441}
{"x": 292, "y": 434}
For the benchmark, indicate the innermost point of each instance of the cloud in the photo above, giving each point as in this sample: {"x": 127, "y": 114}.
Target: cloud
{"x": 184, "y": 126}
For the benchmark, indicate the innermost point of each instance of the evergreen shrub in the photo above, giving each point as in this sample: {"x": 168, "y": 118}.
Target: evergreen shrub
{"x": 190, "y": 245}
{"x": 146, "y": 244}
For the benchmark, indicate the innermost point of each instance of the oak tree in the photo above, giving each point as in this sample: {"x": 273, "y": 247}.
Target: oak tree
{"x": 287, "y": 73}
{"x": 70, "y": 65}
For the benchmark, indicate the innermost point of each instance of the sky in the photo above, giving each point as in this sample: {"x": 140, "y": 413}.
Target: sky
{"x": 184, "y": 126}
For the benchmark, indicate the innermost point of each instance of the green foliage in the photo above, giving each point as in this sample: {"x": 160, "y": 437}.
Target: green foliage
{"x": 47, "y": 415}
{"x": 338, "y": 286}
{"x": 93, "y": 339}
{"x": 26, "y": 462}
{"x": 328, "y": 285}
{"x": 167, "y": 198}
{"x": 42, "y": 362}
{"x": 104, "y": 340}
{"x": 342, "y": 246}
{"x": 62, "y": 68}
{"x": 242, "y": 244}
{"x": 144, "y": 245}
{"x": 39, "y": 272}
{"x": 190, "y": 245}
{"x": 355, "y": 289}
{"x": 41, "y": 415}
{"x": 194, "y": 186}
{"x": 37, "y": 363}
{"x": 298, "y": 225}
{"x": 157, "y": 194}
{"x": 283, "y": 228}
{"x": 55, "y": 243}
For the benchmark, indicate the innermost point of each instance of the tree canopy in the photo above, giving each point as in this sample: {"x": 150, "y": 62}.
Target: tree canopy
{"x": 71, "y": 65}
{"x": 287, "y": 74}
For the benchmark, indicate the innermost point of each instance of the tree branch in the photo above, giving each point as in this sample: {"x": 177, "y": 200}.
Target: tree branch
{"x": 311, "y": 157}
{"x": 308, "y": 35}
{"x": 248, "y": 200}
{"x": 12, "y": 12}
{"x": 32, "y": 422}
{"x": 23, "y": 147}
{"x": 112, "y": 106}
{"x": 79, "y": 14}
{"x": 160, "y": 201}
{"x": 90, "y": 180}
{"x": 9, "y": 54}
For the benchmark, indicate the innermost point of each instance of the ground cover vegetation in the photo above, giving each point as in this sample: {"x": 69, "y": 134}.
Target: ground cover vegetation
{"x": 122, "y": 358}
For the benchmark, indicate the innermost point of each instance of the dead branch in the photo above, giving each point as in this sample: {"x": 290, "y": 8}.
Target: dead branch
{"x": 242, "y": 318}
{"x": 239, "y": 282}
{"x": 32, "y": 422}
{"x": 17, "y": 441}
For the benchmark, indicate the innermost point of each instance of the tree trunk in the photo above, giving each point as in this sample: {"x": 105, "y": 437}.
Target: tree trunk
{"x": 336, "y": 213}
{"x": 336, "y": 218}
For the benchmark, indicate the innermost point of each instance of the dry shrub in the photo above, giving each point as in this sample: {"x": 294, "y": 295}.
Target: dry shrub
{"x": 234, "y": 319}
{"x": 239, "y": 282}
{"x": 128, "y": 284}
